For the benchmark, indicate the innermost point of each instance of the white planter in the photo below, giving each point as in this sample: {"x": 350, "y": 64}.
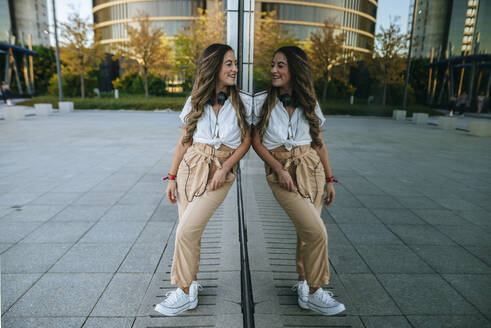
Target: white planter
{"x": 13, "y": 113}
{"x": 447, "y": 123}
{"x": 480, "y": 128}
{"x": 43, "y": 109}
{"x": 65, "y": 106}
{"x": 399, "y": 115}
{"x": 420, "y": 118}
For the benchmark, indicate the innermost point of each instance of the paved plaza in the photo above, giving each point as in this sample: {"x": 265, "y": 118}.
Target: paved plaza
{"x": 86, "y": 237}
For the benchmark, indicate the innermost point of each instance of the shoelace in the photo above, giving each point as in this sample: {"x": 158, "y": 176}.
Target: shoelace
{"x": 200, "y": 287}
{"x": 296, "y": 286}
{"x": 171, "y": 296}
{"x": 327, "y": 296}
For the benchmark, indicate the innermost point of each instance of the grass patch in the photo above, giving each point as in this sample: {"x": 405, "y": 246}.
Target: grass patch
{"x": 135, "y": 102}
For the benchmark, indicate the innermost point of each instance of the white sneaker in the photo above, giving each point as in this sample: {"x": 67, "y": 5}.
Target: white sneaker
{"x": 302, "y": 289}
{"x": 176, "y": 302}
{"x": 321, "y": 301}
{"x": 194, "y": 289}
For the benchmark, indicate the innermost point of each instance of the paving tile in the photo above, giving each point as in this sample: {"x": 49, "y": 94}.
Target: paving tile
{"x": 424, "y": 294}
{"x": 457, "y": 203}
{"x": 352, "y": 215}
{"x": 454, "y": 321}
{"x": 137, "y": 212}
{"x": 17, "y": 199}
{"x": 48, "y": 322}
{"x": 482, "y": 252}
{"x": 5, "y": 246}
{"x": 442, "y": 217}
{"x": 386, "y": 321}
{"x": 80, "y": 213}
{"x": 475, "y": 288}
{"x": 420, "y": 234}
{"x": 392, "y": 259}
{"x": 14, "y": 285}
{"x": 143, "y": 257}
{"x": 396, "y": 216}
{"x": 451, "y": 259}
{"x": 482, "y": 218}
{"x": 379, "y": 201}
{"x": 467, "y": 235}
{"x": 58, "y": 232}
{"x": 92, "y": 257}
{"x": 123, "y": 295}
{"x": 54, "y": 198}
{"x": 369, "y": 234}
{"x": 70, "y": 294}
{"x": 368, "y": 297}
{"x": 418, "y": 202}
{"x": 108, "y": 322}
{"x": 99, "y": 198}
{"x": 32, "y": 258}
{"x": 30, "y": 213}
{"x": 110, "y": 231}
{"x": 345, "y": 259}
{"x": 12, "y": 232}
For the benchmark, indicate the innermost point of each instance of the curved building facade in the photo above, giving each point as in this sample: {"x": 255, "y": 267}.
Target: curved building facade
{"x": 111, "y": 16}
{"x": 355, "y": 18}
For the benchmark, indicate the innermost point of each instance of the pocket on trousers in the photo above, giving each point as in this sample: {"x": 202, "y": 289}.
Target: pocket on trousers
{"x": 310, "y": 179}
{"x": 195, "y": 177}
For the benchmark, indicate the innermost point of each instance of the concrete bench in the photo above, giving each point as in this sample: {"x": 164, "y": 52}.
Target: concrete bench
{"x": 65, "y": 106}
{"x": 399, "y": 115}
{"x": 447, "y": 123}
{"x": 43, "y": 109}
{"x": 480, "y": 128}
{"x": 420, "y": 118}
{"x": 13, "y": 113}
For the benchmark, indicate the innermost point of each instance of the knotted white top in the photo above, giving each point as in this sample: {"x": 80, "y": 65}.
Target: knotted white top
{"x": 223, "y": 129}
{"x": 282, "y": 129}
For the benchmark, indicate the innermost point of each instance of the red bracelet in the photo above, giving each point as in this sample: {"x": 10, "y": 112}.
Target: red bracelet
{"x": 169, "y": 177}
{"x": 331, "y": 180}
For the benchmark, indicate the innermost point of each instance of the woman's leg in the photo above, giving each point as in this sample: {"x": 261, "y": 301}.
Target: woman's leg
{"x": 311, "y": 232}
{"x": 193, "y": 221}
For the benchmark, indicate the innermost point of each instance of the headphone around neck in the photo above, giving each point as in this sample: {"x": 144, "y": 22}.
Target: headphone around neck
{"x": 221, "y": 98}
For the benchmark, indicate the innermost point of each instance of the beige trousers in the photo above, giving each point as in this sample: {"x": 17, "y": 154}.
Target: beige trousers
{"x": 196, "y": 204}
{"x": 304, "y": 206}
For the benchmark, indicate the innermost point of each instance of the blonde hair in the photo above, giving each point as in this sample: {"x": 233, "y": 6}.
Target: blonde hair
{"x": 209, "y": 65}
{"x": 303, "y": 93}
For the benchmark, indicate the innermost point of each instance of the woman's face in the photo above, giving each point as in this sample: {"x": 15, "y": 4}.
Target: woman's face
{"x": 228, "y": 71}
{"x": 280, "y": 74}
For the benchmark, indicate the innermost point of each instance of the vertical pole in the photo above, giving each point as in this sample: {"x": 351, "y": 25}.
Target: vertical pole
{"x": 430, "y": 73}
{"x": 7, "y": 59}
{"x": 58, "y": 70}
{"x": 31, "y": 63}
{"x": 408, "y": 66}
{"x": 27, "y": 78}
{"x": 15, "y": 68}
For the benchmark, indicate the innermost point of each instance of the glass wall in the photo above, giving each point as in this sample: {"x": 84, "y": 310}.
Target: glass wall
{"x": 4, "y": 19}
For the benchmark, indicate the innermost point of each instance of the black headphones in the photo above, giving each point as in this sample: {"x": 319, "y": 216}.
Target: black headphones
{"x": 221, "y": 98}
{"x": 287, "y": 100}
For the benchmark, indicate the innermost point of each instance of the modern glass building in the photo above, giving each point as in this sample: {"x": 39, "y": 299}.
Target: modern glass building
{"x": 355, "y": 18}
{"x": 24, "y": 17}
{"x": 111, "y": 16}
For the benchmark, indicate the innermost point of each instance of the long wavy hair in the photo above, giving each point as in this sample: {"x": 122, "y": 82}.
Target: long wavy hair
{"x": 207, "y": 69}
{"x": 303, "y": 92}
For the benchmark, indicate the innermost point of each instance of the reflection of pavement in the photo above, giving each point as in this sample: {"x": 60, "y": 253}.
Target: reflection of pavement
{"x": 86, "y": 238}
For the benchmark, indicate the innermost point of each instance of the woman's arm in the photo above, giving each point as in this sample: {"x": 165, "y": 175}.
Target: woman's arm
{"x": 176, "y": 160}
{"x": 218, "y": 179}
{"x": 284, "y": 177}
{"x": 324, "y": 157}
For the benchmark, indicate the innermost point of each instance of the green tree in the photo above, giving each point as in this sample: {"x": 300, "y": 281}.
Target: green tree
{"x": 81, "y": 51}
{"x": 207, "y": 28}
{"x": 387, "y": 64}
{"x": 268, "y": 37}
{"x": 146, "y": 51}
{"x": 325, "y": 50}
{"x": 44, "y": 63}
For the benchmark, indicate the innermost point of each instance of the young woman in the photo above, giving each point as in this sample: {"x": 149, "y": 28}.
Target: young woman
{"x": 287, "y": 136}
{"x": 214, "y": 138}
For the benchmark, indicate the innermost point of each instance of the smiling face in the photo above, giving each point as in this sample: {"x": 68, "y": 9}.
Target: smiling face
{"x": 228, "y": 71}
{"x": 280, "y": 74}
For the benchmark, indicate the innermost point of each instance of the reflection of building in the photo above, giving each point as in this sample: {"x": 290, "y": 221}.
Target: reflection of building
{"x": 355, "y": 18}
{"x": 24, "y": 17}
{"x": 458, "y": 24}
{"x": 111, "y": 17}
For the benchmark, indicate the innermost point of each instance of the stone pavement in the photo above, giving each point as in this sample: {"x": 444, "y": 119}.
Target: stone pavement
{"x": 86, "y": 238}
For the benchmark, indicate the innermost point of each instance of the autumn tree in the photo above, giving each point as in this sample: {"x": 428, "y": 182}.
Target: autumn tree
{"x": 268, "y": 36}
{"x": 146, "y": 51}
{"x": 325, "y": 50}
{"x": 81, "y": 51}
{"x": 387, "y": 64}
{"x": 207, "y": 28}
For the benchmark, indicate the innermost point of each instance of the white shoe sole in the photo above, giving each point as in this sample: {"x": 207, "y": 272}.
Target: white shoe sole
{"x": 172, "y": 312}
{"x": 303, "y": 304}
{"x": 327, "y": 310}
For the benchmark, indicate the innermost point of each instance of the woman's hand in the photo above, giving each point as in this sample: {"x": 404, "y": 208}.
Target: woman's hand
{"x": 285, "y": 180}
{"x": 218, "y": 179}
{"x": 330, "y": 193}
{"x": 171, "y": 191}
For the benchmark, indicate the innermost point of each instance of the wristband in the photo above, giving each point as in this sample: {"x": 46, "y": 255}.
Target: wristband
{"x": 331, "y": 179}
{"x": 169, "y": 177}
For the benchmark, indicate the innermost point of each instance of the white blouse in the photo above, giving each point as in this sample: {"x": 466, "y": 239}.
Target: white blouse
{"x": 283, "y": 130}
{"x": 222, "y": 130}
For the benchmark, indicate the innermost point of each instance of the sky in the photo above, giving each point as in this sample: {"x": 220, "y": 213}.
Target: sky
{"x": 387, "y": 9}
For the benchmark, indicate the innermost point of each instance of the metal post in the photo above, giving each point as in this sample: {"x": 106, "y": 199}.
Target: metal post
{"x": 58, "y": 70}
{"x": 408, "y": 66}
